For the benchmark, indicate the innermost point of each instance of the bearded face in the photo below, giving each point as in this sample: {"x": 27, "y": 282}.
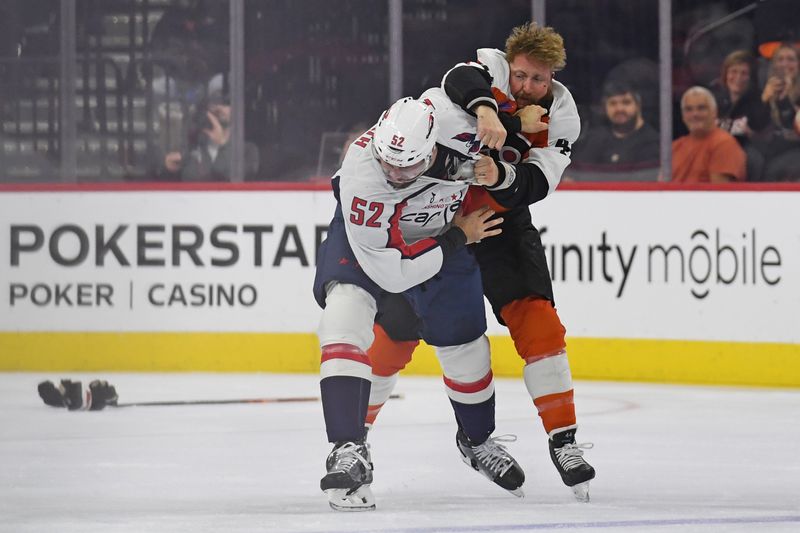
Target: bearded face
{"x": 623, "y": 112}
{"x": 530, "y": 80}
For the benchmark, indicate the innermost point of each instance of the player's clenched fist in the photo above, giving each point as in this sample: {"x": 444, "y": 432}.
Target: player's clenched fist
{"x": 486, "y": 172}
{"x": 531, "y": 118}
{"x": 490, "y": 130}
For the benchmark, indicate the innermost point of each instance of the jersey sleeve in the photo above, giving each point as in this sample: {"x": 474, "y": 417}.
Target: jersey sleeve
{"x": 564, "y": 129}
{"x": 469, "y": 84}
{"x": 372, "y": 223}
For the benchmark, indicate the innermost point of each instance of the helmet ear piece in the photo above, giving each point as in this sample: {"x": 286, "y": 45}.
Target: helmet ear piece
{"x": 406, "y": 133}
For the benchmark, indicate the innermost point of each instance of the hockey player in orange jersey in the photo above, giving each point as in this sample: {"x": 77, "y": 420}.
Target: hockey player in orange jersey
{"x": 497, "y": 90}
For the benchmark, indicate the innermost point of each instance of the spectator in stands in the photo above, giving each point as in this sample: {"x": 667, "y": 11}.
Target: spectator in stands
{"x": 625, "y": 139}
{"x": 209, "y": 156}
{"x": 740, "y": 110}
{"x": 189, "y": 47}
{"x": 187, "y": 62}
{"x": 782, "y": 95}
{"x": 775, "y": 25}
{"x": 707, "y": 153}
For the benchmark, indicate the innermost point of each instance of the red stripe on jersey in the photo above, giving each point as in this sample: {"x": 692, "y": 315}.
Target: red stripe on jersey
{"x": 475, "y": 386}
{"x": 344, "y": 351}
{"x": 396, "y": 240}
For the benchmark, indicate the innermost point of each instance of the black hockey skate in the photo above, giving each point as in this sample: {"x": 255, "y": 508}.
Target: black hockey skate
{"x": 568, "y": 458}
{"x": 347, "y": 483}
{"x": 493, "y": 461}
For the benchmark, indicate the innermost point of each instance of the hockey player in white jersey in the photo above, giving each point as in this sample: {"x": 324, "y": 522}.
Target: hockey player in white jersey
{"x": 501, "y": 90}
{"x": 397, "y": 229}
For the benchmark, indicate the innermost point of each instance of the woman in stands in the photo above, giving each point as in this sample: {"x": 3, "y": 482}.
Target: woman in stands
{"x": 740, "y": 110}
{"x": 782, "y": 95}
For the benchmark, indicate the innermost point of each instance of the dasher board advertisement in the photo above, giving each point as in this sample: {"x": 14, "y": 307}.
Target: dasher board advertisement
{"x": 692, "y": 265}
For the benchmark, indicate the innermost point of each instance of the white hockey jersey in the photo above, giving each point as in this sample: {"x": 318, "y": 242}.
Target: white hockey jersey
{"x": 391, "y": 231}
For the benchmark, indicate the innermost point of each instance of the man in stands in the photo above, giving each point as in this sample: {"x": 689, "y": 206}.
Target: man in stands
{"x": 627, "y": 139}
{"x": 707, "y": 154}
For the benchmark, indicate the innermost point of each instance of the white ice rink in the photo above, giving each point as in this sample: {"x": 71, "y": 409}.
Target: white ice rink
{"x": 668, "y": 459}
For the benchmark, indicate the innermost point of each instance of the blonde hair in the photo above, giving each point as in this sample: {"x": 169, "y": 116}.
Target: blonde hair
{"x": 774, "y": 59}
{"x": 541, "y": 43}
{"x": 794, "y": 95}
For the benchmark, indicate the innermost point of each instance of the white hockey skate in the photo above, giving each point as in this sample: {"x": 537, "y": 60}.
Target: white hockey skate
{"x": 493, "y": 461}
{"x": 347, "y": 483}
{"x": 568, "y": 460}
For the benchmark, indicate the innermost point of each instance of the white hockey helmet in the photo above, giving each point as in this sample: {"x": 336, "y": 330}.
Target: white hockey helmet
{"x": 404, "y": 140}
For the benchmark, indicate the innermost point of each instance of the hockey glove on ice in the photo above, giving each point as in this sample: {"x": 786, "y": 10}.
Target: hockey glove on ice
{"x": 70, "y": 394}
{"x": 102, "y": 393}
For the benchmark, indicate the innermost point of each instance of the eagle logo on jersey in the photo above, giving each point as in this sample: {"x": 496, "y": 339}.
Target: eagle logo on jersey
{"x": 473, "y": 145}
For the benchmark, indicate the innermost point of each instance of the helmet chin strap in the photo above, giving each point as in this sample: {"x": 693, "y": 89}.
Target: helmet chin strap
{"x": 402, "y": 177}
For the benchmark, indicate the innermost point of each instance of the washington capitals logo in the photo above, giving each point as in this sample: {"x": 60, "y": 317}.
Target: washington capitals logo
{"x": 473, "y": 145}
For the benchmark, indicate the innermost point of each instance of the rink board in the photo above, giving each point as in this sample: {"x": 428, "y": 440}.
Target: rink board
{"x": 675, "y": 286}
{"x": 667, "y": 361}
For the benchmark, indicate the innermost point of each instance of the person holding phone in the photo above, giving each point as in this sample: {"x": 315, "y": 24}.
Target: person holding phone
{"x": 782, "y": 96}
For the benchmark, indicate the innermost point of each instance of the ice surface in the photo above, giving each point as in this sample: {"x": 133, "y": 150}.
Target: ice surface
{"x": 668, "y": 459}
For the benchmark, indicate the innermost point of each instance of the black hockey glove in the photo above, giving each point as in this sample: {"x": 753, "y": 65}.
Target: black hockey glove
{"x": 102, "y": 393}
{"x": 70, "y": 394}
{"x": 72, "y": 391}
{"x": 51, "y": 395}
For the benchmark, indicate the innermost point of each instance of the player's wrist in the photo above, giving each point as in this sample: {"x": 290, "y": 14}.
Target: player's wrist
{"x": 483, "y": 110}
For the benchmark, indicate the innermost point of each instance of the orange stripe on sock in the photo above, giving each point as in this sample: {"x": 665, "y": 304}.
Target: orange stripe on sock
{"x": 557, "y": 410}
{"x": 372, "y": 414}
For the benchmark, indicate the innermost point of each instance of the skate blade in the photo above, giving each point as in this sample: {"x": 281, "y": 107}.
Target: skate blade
{"x": 352, "y": 501}
{"x": 581, "y": 491}
{"x": 519, "y": 493}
